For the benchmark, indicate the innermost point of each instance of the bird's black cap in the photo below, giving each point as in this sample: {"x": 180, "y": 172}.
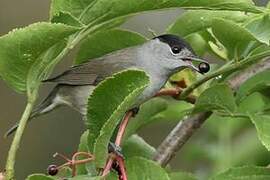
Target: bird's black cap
{"x": 173, "y": 40}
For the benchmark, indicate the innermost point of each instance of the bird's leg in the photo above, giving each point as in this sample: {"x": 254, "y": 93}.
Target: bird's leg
{"x": 121, "y": 168}
{"x": 123, "y": 126}
{"x": 115, "y": 148}
{"x": 174, "y": 92}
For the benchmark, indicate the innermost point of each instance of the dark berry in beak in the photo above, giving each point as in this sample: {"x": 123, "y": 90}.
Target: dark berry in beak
{"x": 204, "y": 67}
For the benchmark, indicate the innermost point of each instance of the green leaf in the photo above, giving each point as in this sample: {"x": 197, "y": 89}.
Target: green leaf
{"x": 242, "y": 5}
{"x": 105, "y": 10}
{"x": 21, "y": 50}
{"x": 120, "y": 91}
{"x": 244, "y": 173}
{"x": 215, "y": 48}
{"x": 259, "y": 82}
{"x": 218, "y": 97}
{"x": 260, "y": 28}
{"x": 175, "y": 111}
{"x": 260, "y": 49}
{"x": 253, "y": 103}
{"x": 136, "y": 146}
{"x": 198, "y": 43}
{"x": 262, "y": 124}
{"x": 139, "y": 168}
{"x": 74, "y": 7}
{"x": 157, "y": 110}
{"x": 198, "y": 20}
{"x": 108, "y": 41}
{"x": 43, "y": 66}
{"x": 110, "y": 176}
{"x": 235, "y": 38}
{"x": 40, "y": 177}
{"x": 86, "y": 177}
{"x": 108, "y": 9}
{"x": 146, "y": 115}
{"x": 182, "y": 176}
{"x": 66, "y": 18}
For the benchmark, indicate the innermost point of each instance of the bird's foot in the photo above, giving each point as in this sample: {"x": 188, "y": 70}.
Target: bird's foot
{"x": 115, "y": 149}
{"x": 115, "y": 162}
{"x": 135, "y": 111}
{"x": 116, "y": 154}
{"x": 71, "y": 163}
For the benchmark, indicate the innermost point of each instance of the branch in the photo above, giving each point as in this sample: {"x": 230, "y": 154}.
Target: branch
{"x": 240, "y": 78}
{"x": 178, "y": 137}
{"x": 186, "y": 128}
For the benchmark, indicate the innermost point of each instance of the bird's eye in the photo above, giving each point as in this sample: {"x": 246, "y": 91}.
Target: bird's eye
{"x": 176, "y": 50}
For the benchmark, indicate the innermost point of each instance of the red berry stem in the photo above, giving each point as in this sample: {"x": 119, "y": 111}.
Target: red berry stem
{"x": 72, "y": 163}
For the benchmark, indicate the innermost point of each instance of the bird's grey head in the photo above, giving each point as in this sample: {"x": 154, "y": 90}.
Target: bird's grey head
{"x": 174, "y": 54}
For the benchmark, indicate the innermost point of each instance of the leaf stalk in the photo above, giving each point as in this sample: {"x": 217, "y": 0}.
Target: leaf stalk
{"x": 17, "y": 139}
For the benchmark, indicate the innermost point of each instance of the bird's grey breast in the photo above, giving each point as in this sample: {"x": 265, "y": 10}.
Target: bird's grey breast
{"x": 158, "y": 76}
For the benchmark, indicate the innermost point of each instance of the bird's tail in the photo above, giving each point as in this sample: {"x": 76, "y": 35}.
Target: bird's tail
{"x": 45, "y": 106}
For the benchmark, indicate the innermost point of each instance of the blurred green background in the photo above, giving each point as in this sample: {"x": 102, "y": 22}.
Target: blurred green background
{"x": 210, "y": 149}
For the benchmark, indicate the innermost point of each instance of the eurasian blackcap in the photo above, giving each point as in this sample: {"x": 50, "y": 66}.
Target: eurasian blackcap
{"x": 159, "y": 57}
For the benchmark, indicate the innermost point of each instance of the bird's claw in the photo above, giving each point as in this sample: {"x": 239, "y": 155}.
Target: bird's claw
{"x": 117, "y": 150}
{"x": 135, "y": 111}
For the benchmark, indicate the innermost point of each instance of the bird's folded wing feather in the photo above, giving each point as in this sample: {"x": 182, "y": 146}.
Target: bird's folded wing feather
{"x": 95, "y": 70}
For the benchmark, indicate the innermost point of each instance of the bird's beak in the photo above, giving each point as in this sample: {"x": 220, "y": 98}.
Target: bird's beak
{"x": 190, "y": 60}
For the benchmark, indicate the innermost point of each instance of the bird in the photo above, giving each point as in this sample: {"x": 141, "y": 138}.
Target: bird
{"x": 159, "y": 57}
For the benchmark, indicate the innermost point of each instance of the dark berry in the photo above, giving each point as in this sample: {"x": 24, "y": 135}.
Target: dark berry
{"x": 204, "y": 67}
{"x": 52, "y": 170}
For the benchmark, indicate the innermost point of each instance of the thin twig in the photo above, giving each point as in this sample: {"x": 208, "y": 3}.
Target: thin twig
{"x": 186, "y": 128}
{"x": 72, "y": 163}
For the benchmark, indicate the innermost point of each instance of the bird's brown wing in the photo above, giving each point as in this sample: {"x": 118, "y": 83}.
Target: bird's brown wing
{"x": 95, "y": 70}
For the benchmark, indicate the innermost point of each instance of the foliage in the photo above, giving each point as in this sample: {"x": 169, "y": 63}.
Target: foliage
{"x": 235, "y": 33}
{"x": 103, "y": 120}
{"x": 246, "y": 172}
